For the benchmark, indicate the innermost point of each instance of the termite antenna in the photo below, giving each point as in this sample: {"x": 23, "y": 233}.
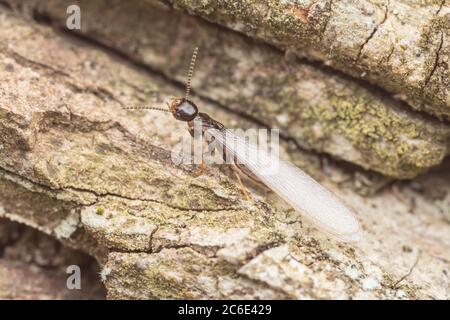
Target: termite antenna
{"x": 146, "y": 108}
{"x": 191, "y": 72}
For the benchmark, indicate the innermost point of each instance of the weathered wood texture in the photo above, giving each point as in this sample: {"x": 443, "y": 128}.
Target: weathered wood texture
{"x": 34, "y": 265}
{"x": 78, "y": 167}
{"x": 314, "y": 106}
{"x": 402, "y": 46}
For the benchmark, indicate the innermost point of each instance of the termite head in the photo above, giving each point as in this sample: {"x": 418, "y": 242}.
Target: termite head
{"x": 183, "y": 109}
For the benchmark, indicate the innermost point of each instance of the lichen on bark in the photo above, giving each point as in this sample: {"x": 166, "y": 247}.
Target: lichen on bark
{"x": 401, "y": 46}
{"x": 76, "y": 166}
{"x": 319, "y": 109}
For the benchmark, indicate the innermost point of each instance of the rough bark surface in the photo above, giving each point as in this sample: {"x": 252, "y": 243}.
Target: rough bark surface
{"x": 33, "y": 266}
{"x": 76, "y": 166}
{"x": 315, "y": 107}
{"x": 402, "y": 46}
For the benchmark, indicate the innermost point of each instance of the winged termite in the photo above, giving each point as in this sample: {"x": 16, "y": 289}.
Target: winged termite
{"x": 303, "y": 193}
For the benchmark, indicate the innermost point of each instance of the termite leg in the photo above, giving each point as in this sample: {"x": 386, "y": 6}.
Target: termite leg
{"x": 244, "y": 190}
{"x": 200, "y": 169}
{"x": 253, "y": 178}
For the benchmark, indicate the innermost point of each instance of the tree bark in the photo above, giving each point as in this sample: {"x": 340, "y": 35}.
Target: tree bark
{"x": 314, "y": 106}
{"x": 401, "y": 46}
{"x": 77, "y": 166}
{"x": 34, "y": 266}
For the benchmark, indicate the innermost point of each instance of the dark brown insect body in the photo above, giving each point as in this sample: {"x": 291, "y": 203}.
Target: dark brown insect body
{"x": 185, "y": 110}
{"x": 320, "y": 205}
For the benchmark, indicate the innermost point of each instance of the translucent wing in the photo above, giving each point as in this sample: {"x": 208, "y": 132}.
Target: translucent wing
{"x": 301, "y": 191}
